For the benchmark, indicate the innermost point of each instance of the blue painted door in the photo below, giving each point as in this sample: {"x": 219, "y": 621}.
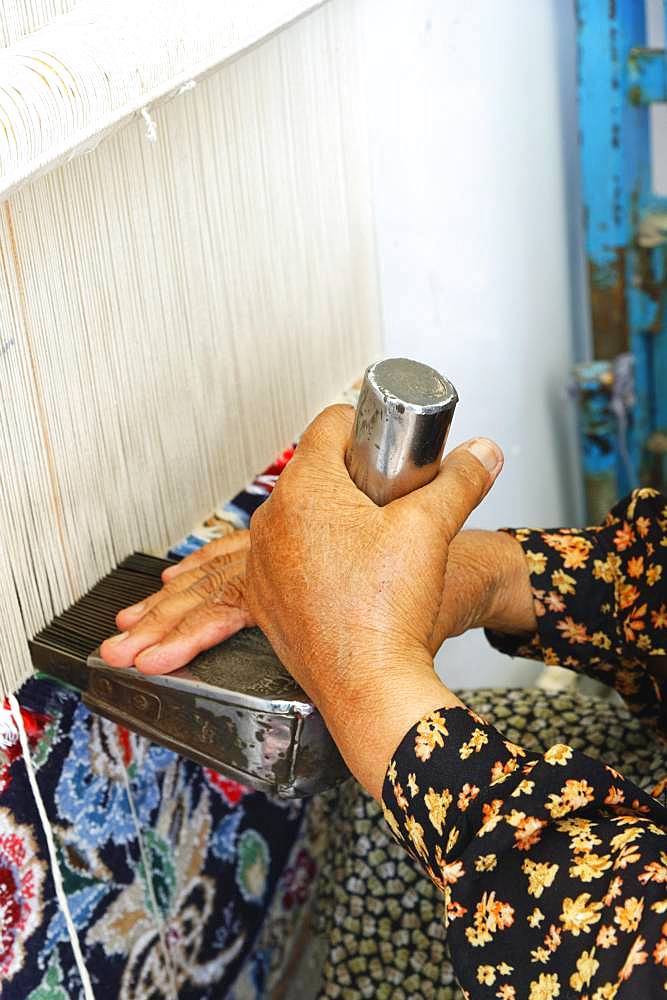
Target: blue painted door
{"x": 623, "y": 393}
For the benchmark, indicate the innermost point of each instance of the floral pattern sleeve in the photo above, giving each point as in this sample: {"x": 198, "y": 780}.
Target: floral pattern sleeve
{"x": 553, "y": 867}
{"x": 601, "y": 601}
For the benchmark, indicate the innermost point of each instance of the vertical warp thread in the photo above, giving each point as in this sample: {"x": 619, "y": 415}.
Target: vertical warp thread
{"x": 184, "y": 308}
{"x": 148, "y": 882}
{"x": 56, "y": 499}
{"x": 51, "y": 845}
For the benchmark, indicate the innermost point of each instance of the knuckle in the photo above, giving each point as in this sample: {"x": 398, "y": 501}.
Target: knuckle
{"x": 224, "y": 561}
{"x": 183, "y": 629}
{"x": 469, "y": 474}
{"x": 287, "y": 493}
{"x": 258, "y": 524}
{"x": 205, "y": 585}
{"x": 156, "y": 615}
{"x": 231, "y": 595}
{"x": 214, "y": 575}
{"x": 332, "y": 418}
{"x": 337, "y": 415}
{"x": 214, "y": 603}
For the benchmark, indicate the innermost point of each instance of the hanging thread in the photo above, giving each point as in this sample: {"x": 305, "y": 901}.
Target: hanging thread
{"x": 151, "y": 127}
{"x": 171, "y": 315}
{"x": 51, "y": 845}
{"x": 148, "y": 882}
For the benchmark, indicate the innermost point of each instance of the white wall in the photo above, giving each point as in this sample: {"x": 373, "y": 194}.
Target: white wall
{"x": 474, "y": 151}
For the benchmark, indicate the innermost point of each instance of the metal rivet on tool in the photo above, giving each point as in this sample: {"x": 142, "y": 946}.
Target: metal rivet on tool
{"x": 103, "y": 687}
{"x": 140, "y": 701}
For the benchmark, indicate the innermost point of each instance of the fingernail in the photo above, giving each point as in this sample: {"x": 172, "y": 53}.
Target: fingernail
{"x": 137, "y": 609}
{"x": 116, "y": 640}
{"x": 486, "y": 452}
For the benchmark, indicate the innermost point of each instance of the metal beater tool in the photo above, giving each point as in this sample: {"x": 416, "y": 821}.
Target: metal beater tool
{"x": 235, "y": 708}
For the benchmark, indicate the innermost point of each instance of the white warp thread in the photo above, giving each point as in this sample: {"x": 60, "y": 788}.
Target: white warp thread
{"x": 19, "y": 18}
{"x": 53, "y": 856}
{"x": 172, "y": 314}
{"x": 151, "y": 127}
{"x": 93, "y": 68}
{"x": 147, "y": 873}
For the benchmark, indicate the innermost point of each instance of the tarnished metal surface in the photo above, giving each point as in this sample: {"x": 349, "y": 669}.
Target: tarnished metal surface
{"x": 593, "y": 386}
{"x": 609, "y": 309}
{"x": 234, "y": 709}
{"x": 247, "y": 667}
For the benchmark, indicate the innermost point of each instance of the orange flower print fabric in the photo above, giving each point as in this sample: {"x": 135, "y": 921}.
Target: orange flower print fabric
{"x": 552, "y": 866}
{"x": 601, "y": 601}
{"x": 554, "y": 875}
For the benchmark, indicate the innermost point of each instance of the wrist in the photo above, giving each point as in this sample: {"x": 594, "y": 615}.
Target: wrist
{"x": 474, "y": 581}
{"x": 352, "y": 690}
{"x": 369, "y": 717}
{"x": 510, "y": 608}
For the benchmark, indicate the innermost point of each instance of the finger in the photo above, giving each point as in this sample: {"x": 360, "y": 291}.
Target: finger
{"x": 164, "y": 616}
{"x": 217, "y": 568}
{"x": 320, "y": 457}
{"x": 209, "y": 624}
{"x": 465, "y": 477}
{"x": 234, "y": 542}
{"x": 328, "y": 434}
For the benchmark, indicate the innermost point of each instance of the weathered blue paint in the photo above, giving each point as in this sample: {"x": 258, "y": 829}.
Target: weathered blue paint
{"x": 617, "y": 78}
{"x": 647, "y": 76}
{"x": 597, "y": 428}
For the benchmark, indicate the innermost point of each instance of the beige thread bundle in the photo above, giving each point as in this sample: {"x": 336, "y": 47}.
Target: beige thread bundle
{"x": 173, "y": 312}
{"x": 21, "y": 17}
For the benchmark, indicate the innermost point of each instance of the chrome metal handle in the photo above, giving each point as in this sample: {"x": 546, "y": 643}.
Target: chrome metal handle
{"x": 401, "y": 424}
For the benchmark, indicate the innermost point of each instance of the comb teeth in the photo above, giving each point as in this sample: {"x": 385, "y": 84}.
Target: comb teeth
{"x": 92, "y": 619}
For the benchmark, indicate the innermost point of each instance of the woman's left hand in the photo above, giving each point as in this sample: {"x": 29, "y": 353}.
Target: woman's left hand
{"x": 201, "y": 603}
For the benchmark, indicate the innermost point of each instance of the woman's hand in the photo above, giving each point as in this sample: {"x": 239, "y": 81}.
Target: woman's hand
{"x": 349, "y": 594}
{"x": 203, "y": 600}
{"x": 339, "y": 628}
{"x": 201, "y": 604}
{"x": 487, "y": 585}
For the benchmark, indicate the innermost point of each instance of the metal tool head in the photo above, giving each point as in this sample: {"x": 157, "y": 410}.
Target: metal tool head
{"x": 401, "y": 424}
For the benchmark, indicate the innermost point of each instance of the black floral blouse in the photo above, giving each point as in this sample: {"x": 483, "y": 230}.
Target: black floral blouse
{"x": 554, "y": 867}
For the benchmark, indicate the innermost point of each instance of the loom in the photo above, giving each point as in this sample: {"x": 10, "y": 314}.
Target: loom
{"x": 187, "y": 271}
{"x": 234, "y": 707}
